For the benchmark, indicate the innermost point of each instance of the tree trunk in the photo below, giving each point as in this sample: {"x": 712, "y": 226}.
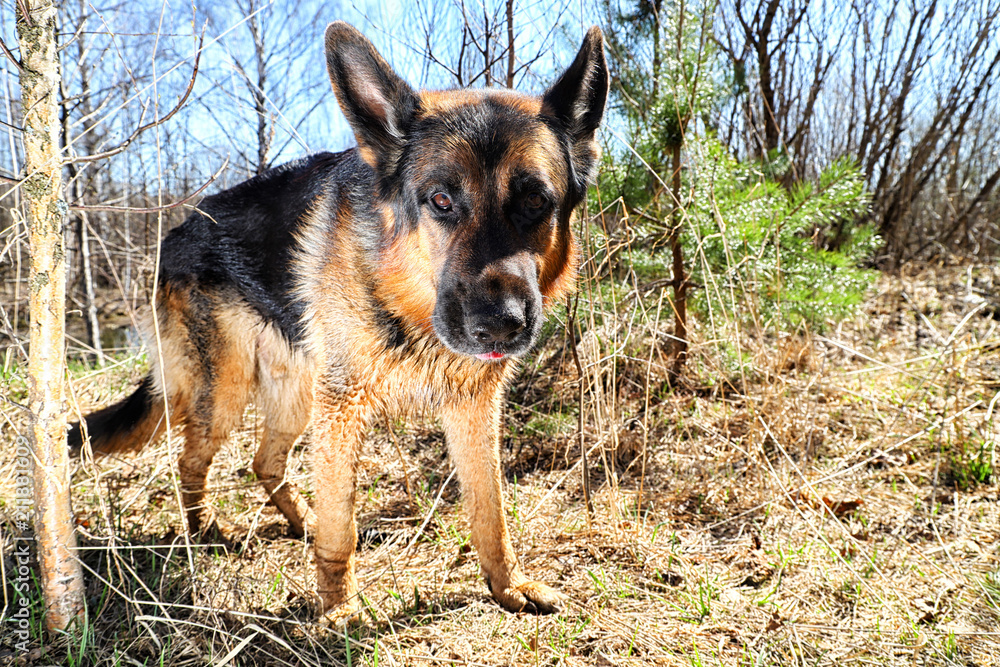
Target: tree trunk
{"x": 83, "y": 243}
{"x": 510, "y": 43}
{"x": 61, "y": 577}
{"x": 93, "y": 323}
{"x": 83, "y": 223}
{"x": 487, "y": 59}
{"x": 264, "y": 132}
{"x": 680, "y": 279}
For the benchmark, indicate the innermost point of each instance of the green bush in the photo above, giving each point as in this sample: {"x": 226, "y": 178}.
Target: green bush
{"x": 758, "y": 244}
{"x": 793, "y": 255}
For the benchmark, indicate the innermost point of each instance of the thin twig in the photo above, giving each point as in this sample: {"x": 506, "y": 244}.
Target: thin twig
{"x": 153, "y": 209}
{"x": 585, "y": 466}
{"x": 142, "y": 128}
{"x": 11, "y": 57}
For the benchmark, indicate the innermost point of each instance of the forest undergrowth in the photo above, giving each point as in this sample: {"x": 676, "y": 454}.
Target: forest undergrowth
{"x": 814, "y": 499}
{"x": 738, "y": 444}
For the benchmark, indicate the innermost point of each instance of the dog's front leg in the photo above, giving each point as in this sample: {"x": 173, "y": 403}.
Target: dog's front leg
{"x": 472, "y": 428}
{"x": 339, "y": 418}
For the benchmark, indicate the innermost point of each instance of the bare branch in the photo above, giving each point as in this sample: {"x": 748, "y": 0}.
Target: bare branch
{"x": 159, "y": 121}
{"x": 11, "y": 57}
{"x": 153, "y": 209}
{"x": 510, "y": 43}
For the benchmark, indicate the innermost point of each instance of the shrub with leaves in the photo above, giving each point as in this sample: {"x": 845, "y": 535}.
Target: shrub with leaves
{"x": 744, "y": 237}
{"x": 792, "y": 254}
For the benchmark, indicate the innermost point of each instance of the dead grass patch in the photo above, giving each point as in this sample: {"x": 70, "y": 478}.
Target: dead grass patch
{"x": 809, "y": 499}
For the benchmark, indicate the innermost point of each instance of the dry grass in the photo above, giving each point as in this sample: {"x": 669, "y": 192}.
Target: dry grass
{"x": 804, "y": 500}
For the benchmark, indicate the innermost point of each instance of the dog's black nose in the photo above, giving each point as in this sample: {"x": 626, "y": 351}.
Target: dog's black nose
{"x": 498, "y": 327}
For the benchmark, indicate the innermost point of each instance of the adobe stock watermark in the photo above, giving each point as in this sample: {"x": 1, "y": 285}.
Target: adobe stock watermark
{"x": 19, "y": 617}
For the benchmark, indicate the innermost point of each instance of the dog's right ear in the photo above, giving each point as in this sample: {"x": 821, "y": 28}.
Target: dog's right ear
{"x": 378, "y": 104}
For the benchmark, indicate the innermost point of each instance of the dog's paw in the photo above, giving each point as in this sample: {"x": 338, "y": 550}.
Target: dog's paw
{"x": 533, "y": 597}
{"x": 221, "y": 534}
{"x": 341, "y": 617}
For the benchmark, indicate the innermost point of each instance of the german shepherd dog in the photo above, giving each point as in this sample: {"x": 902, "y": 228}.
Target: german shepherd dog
{"x": 411, "y": 271}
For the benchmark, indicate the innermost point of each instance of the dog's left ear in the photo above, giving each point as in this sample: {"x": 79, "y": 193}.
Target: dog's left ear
{"x": 577, "y": 101}
{"x": 378, "y": 104}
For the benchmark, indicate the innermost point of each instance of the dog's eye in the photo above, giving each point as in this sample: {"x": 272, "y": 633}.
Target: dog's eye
{"x": 534, "y": 201}
{"x": 441, "y": 201}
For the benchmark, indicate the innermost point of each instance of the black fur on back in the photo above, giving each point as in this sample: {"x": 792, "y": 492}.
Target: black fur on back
{"x": 242, "y": 240}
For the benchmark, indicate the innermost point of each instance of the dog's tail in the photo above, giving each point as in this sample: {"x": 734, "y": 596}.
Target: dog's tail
{"x": 128, "y": 425}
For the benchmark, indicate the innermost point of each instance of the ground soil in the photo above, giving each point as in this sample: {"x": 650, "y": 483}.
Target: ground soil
{"x": 830, "y": 499}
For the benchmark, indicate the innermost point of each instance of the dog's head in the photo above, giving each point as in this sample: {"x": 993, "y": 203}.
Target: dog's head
{"x": 476, "y": 189}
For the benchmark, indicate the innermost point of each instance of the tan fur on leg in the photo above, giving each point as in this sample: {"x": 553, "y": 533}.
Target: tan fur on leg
{"x": 472, "y": 430}
{"x": 269, "y": 465}
{"x": 340, "y": 418}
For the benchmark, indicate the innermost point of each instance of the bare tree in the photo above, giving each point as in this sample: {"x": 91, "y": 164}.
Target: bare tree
{"x": 478, "y": 44}
{"x": 62, "y": 579}
{"x": 98, "y": 96}
{"x": 898, "y": 86}
{"x": 781, "y": 53}
{"x": 267, "y": 78}
{"x": 90, "y": 136}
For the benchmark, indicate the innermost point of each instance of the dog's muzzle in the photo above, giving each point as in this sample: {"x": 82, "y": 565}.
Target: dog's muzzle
{"x": 489, "y": 319}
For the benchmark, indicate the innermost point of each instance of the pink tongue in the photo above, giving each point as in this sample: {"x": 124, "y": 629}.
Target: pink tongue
{"x": 490, "y": 355}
